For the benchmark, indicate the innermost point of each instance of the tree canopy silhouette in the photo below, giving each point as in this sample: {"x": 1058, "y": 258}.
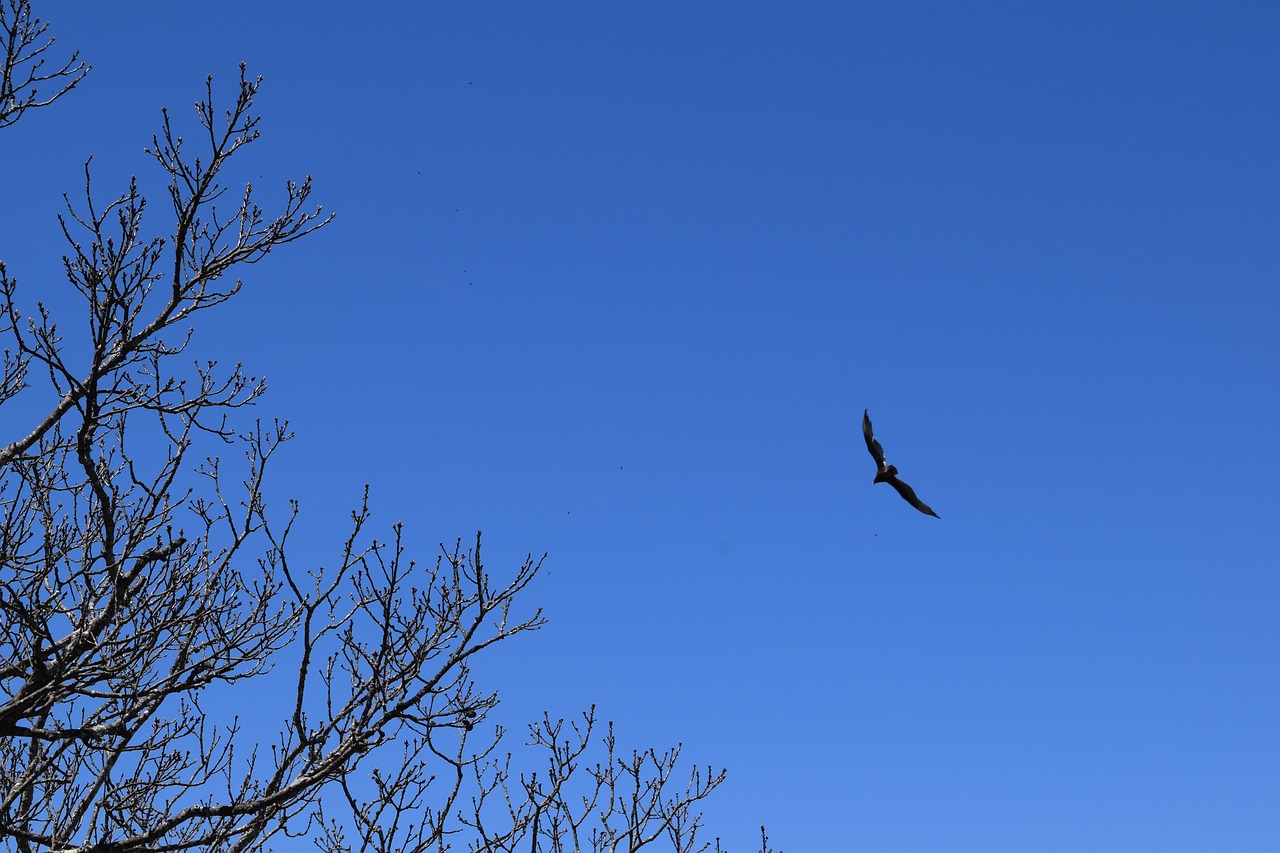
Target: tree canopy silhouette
{"x": 140, "y": 570}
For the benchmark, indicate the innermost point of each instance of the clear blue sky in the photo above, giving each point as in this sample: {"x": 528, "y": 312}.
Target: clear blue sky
{"x": 616, "y": 282}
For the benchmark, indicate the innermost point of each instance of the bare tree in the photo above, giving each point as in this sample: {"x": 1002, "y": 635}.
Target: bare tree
{"x": 23, "y": 70}
{"x": 141, "y": 578}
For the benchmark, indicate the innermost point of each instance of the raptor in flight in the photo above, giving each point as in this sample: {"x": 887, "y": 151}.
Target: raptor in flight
{"x": 888, "y": 473}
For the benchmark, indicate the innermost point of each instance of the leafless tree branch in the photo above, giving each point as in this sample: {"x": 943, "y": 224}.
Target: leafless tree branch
{"x": 23, "y": 68}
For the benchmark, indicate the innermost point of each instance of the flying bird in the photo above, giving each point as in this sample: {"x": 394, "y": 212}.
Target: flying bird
{"x": 888, "y": 473}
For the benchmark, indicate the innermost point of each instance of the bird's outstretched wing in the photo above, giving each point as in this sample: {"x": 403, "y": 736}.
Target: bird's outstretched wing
{"x": 873, "y": 446}
{"x": 909, "y": 495}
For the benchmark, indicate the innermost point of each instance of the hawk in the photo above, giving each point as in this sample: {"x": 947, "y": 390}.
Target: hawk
{"x": 888, "y": 473}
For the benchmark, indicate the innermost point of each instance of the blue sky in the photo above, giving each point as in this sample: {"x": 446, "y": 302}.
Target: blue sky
{"x": 616, "y": 282}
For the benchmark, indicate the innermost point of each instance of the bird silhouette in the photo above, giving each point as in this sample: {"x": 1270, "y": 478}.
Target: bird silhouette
{"x": 888, "y": 473}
